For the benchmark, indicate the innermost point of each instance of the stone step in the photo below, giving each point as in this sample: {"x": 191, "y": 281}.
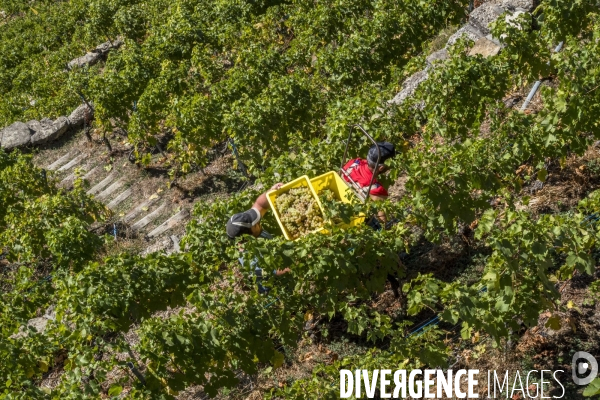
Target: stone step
{"x": 91, "y": 172}
{"x": 148, "y": 218}
{"x": 119, "y": 199}
{"x": 71, "y": 177}
{"x": 102, "y": 184}
{"x": 65, "y": 183}
{"x": 59, "y": 162}
{"x": 139, "y": 209}
{"x": 72, "y": 163}
{"x": 170, "y": 223}
{"x": 111, "y": 189}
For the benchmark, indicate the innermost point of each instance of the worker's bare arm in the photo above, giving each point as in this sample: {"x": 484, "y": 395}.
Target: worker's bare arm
{"x": 261, "y": 203}
{"x": 280, "y": 272}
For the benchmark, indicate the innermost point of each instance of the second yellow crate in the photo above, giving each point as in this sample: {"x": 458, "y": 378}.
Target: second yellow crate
{"x": 332, "y": 181}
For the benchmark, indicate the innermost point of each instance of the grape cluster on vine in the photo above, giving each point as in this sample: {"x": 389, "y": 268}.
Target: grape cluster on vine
{"x": 299, "y": 212}
{"x": 327, "y": 195}
{"x": 336, "y": 210}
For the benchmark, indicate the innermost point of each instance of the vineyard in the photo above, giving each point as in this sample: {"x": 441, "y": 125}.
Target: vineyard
{"x": 491, "y": 245}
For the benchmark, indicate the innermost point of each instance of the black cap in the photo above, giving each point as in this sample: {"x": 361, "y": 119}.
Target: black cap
{"x": 241, "y": 223}
{"x": 386, "y": 150}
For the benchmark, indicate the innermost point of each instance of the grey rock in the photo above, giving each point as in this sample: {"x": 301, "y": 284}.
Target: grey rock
{"x": 160, "y": 246}
{"x": 88, "y": 59}
{"x": 108, "y": 46}
{"x": 34, "y": 125}
{"x": 512, "y": 5}
{"x": 103, "y": 48}
{"x": 485, "y": 47}
{"x": 15, "y": 135}
{"x": 437, "y": 56}
{"x": 468, "y": 31}
{"x": 175, "y": 240}
{"x": 37, "y": 126}
{"x": 484, "y": 15}
{"x": 409, "y": 86}
{"x": 50, "y": 313}
{"x": 39, "y": 324}
{"x": 50, "y": 131}
{"x": 95, "y": 55}
{"x": 78, "y": 115}
{"x": 513, "y": 19}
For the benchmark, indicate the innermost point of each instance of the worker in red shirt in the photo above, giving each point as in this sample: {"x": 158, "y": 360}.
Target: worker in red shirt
{"x": 359, "y": 172}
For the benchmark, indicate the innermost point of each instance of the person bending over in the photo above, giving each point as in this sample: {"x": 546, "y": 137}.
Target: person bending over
{"x": 248, "y": 223}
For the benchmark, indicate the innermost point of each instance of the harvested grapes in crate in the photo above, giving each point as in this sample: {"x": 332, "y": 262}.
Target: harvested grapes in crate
{"x": 299, "y": 212}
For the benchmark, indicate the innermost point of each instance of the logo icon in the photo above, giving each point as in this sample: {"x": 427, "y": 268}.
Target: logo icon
{"x": 579, "y": 368}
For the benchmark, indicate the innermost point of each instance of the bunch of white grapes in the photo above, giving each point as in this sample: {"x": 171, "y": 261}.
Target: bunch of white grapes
{"x": 299, "y": 211}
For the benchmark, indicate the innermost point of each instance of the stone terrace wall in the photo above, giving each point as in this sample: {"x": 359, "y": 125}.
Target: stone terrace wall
{"x": 477, "y": 30}
{"x": 21, "y": 134}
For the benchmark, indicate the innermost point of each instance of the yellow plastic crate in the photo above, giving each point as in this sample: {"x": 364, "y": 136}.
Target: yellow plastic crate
{"x": 332, "y": 181}
{"x": 272, "y": 195}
